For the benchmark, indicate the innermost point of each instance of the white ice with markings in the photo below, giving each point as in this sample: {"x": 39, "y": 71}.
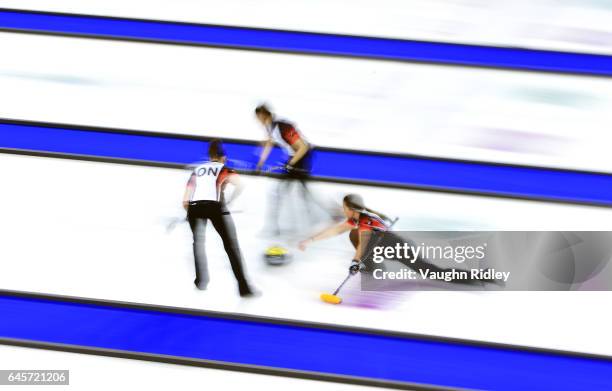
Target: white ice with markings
{"x": 569, "y": 25}
{"x": 98, "y": 230}
{"x": 441, "y": 111}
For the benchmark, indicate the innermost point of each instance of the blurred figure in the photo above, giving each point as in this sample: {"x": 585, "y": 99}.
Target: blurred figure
{"x": 287, "y": 136}
{"x": 204, "y": 200}
{"x": 296, "y": 168}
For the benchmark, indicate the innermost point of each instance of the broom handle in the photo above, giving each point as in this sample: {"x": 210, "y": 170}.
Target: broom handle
{"x": 341, "y": 285}
{"x": 367, "y": 255}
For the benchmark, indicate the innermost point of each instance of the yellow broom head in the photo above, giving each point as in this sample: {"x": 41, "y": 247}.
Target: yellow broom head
{"x": 331, "y": 299}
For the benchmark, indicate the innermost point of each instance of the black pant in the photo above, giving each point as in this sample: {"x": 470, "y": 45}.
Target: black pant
{"x": 198, "y": 214}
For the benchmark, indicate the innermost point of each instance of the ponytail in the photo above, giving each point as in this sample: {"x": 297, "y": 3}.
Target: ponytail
{"x": 382, "y": 216}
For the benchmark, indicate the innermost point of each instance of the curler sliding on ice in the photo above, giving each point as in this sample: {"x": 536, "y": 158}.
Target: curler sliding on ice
{"x": 361, "y": 222}
{"x": 367, "y": 228}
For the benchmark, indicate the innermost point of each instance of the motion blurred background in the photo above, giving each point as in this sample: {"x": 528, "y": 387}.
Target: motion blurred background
{"x": 456, "y": 112}
{"x": 99, "y": 229}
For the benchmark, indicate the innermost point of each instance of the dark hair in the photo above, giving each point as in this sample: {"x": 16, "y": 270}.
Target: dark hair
{"x": 215, "y": 149}
{"x": 263, "y": 109}
{"x": 355, "y": 202}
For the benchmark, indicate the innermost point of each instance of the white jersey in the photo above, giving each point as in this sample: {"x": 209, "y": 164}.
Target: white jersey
{"x": 209, "y": 179}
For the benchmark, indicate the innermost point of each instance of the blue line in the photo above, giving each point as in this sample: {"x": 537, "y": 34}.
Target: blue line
{"x": 419, "y": 172}
{"x": 310, "y": 43}
{"x": 348, "y": 353}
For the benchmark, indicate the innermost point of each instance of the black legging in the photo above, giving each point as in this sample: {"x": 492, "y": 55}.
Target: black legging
{"x": 201, "y": 212}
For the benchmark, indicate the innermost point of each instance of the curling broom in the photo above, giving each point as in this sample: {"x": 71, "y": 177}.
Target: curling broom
{"x": 333, "y": 298}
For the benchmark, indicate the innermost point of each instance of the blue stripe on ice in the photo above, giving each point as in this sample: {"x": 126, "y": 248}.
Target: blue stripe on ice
{"x": 312, "y": 349}
{"x": 309, "y": 43}
{"x": 362, "y": 167}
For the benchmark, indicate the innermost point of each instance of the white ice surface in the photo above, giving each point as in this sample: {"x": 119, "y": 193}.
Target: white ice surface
{"x": 466, "y": 113}
{"x": 569, "y": 25}
{"x": 98, "y": 230}
{"x": 93, "y": 373}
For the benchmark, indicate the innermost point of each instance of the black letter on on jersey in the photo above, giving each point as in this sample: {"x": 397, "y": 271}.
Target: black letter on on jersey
{"x": 203, "y": 171}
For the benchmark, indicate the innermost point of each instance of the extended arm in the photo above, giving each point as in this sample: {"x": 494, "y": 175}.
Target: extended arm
{"x": 302, "y": 149}
{"x": 326, "y": 233}
{"x": 267, "y": 148}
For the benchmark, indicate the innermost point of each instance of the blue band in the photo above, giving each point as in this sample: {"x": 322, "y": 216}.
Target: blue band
{"x": 337, "y": 165}
{"x": 306, "y": 43}
{"x": 307, "y": 348}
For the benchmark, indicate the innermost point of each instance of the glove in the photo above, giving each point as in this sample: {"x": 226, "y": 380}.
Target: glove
{"x": 289, "y": 168}
{"x": 355, "y": 267}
